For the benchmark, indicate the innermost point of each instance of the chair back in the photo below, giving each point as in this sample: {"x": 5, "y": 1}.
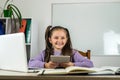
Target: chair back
{"x": 85, "y": 54}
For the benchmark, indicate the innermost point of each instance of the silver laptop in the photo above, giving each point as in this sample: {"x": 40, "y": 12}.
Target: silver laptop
{"x": 13, "y": 54}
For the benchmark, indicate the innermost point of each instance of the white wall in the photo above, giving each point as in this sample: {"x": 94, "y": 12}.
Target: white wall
{"x": 40, "y": 10}
{"x": 95, "y": 22}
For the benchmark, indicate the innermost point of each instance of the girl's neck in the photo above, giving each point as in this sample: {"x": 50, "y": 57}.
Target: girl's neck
{"x": 56, "y": 50}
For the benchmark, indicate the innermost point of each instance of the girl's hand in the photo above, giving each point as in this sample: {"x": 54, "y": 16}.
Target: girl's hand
{"x": 66, "y": 64}
{"x": 51, "y": 65}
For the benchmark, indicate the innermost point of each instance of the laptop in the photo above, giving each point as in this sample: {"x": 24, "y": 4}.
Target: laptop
{"x": 13, "y": 54}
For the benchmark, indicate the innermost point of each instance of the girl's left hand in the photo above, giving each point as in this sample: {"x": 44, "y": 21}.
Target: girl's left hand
{"x": 66, "y": 64}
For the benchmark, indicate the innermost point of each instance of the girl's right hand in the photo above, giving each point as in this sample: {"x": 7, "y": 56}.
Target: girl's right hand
{"x": 51, "y": 65}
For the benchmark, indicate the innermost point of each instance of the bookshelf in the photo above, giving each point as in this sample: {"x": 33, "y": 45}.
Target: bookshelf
{"x": 31, "y": 39}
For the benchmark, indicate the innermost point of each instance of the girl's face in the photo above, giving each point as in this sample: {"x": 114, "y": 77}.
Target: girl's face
{"x": 58, "y": 39}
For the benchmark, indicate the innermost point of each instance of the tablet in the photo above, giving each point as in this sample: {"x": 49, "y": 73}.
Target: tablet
{"x": 60, "y": 59}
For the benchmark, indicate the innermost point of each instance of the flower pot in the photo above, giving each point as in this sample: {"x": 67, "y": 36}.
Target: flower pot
{"x": 7, "y": 13}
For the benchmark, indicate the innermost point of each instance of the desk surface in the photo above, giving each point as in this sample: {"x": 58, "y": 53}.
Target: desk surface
{"x": 9, "y": 75}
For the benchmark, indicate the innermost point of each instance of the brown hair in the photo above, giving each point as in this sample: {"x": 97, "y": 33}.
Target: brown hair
{"x": 67, "y": 49}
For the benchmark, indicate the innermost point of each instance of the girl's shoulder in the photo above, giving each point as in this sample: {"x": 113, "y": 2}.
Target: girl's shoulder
{"x": 75, "y": 51}
{"x": 42, "y": 52}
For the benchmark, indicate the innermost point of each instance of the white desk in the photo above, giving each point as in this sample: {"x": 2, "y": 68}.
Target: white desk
{"x": 9, "y": 75}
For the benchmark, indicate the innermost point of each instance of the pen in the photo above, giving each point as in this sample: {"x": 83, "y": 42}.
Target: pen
{"x": 43, "y": 72}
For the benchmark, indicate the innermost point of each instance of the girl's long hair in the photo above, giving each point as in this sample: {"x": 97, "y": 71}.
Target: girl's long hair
{"x": 67, "y": 49}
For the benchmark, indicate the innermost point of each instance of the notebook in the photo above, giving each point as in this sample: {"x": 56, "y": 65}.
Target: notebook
{"x": 13, "y": 54}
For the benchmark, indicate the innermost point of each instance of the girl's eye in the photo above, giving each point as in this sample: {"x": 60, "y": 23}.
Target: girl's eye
{"x": 56, "y": 37}
{"x": 59, "y": 37}
{"x": 62, "y": 38}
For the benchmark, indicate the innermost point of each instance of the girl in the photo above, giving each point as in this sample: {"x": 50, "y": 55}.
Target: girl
{"x": 58, "y": 42}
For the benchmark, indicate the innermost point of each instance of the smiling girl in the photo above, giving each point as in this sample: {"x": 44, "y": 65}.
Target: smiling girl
{"x": 58, "y": 42}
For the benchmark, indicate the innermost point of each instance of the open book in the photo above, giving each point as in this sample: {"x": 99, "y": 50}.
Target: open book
{"x": 107, "y": 70}
{"x": 68, "y": 70}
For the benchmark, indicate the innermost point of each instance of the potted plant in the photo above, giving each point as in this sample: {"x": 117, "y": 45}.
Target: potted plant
{"x": 12, "y": 11}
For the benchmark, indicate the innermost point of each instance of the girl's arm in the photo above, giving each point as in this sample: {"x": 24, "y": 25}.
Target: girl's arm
{"x": 81, "y": 61}
{"x": 38, "y": 61}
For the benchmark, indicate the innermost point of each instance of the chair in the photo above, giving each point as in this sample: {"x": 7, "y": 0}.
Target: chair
{"x": 85, "y": 54}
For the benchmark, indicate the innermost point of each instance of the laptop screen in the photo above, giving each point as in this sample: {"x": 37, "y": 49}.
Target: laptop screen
{"x": 13, "y": 52}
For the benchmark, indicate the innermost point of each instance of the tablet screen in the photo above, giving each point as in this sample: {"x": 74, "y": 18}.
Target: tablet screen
{"x": 59, "y": 59}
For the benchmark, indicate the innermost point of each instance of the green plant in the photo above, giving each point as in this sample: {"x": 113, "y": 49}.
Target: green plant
{"x": 12, "y": 11}
{"x": 4, "y": 8}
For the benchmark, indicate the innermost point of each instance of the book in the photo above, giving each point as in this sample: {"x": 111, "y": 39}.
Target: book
{"x": 23, "y": 25}
{"x": 2, "y": 28}
{"x": 107, "y": 70}
{"x": 68, "y": 70}
{"x": 28, "y": 31}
